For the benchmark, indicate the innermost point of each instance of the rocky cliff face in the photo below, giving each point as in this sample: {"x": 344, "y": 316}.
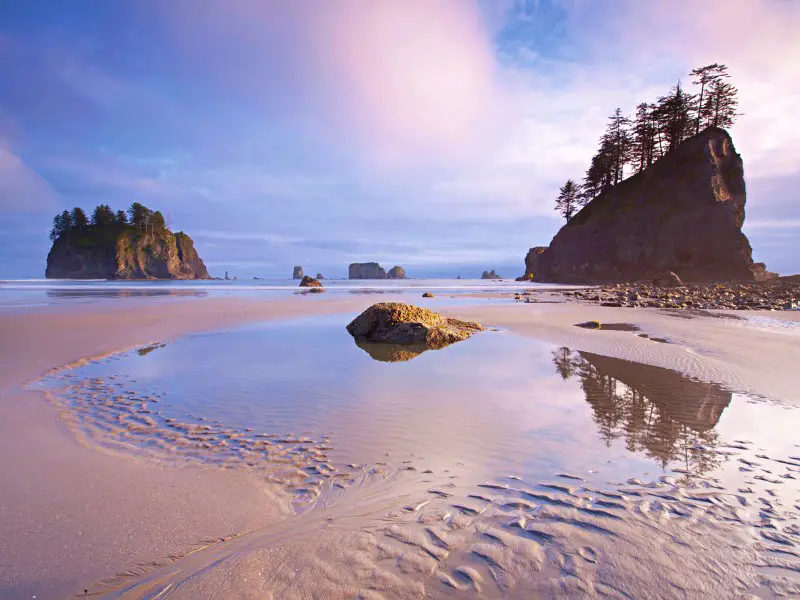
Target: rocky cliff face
{"x": 126, "y": 254}
{"x": 682, "y": 214}
{"x": 370, "y": 270}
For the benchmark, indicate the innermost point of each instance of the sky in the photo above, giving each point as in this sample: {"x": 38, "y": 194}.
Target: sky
{"x": 432, "y": 134}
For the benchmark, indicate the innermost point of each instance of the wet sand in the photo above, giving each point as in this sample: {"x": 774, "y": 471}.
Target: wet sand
{"x": 71, "y": 514}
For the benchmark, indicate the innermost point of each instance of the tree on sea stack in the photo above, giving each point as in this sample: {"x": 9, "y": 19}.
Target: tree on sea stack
{"x": 568, "y": 199}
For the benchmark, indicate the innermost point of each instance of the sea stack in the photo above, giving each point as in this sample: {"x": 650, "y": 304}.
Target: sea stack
{"x": 370, "y": 270}
{"x": 396, "y": 272}
{"x": 490, "y": 275}
{"x": 297, "y": 273}
{"x": 683, "y": 214}
{"x": 115, "y": 249}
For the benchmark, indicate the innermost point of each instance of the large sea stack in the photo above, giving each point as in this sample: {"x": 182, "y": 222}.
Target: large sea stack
{"x": 369, "y": 270}
{"x": 682, "y": 214}
{"x": 117, "y": 250}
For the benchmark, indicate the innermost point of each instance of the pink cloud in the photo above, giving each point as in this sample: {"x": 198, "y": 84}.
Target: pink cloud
{"x": 405, "y": 81}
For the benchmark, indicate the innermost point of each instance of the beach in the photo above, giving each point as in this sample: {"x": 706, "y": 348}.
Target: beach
{"x": 75, "y": 514}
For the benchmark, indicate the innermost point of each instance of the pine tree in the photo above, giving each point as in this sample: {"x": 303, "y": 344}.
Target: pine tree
{"x": 618, "y": 139}
{"x": 103, "y": 216}
{"x": 139, "y": 215}
{"x": 79, "y": 219}
{"x": 644, "y": 143}
{"x": 706, "y": 77}
{"x": 722, "y": 104}
{"x": 567, "y": 201}
{"x": 121, "y": 218}
{"x": 58, "y": 227}
{"x": 675, "y": 116}
{"x": 157, "y": 222}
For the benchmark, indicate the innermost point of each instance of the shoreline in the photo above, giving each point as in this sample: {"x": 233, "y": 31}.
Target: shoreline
{"x": 107, "y": 497}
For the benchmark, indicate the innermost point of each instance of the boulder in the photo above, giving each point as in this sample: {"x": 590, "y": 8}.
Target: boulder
{"x": 370, "y": 270}
{"x": 397, "y": 323}
{"x": 490, "y": 275}
{"x": 427, "y": 295}
{"x": 526, "y": 277}
{"x": 310, "y": 282}
{"x": 297, "y": 273}
{"x": 684, "y": 214}
{"x": 396, "y": 273}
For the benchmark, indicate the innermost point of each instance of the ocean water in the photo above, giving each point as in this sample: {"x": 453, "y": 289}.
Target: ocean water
{"x": 27, "y": 294}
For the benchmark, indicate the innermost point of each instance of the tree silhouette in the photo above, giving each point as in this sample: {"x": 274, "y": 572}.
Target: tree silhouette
{"x": 706, "y": 77}
{"x": 644, "y": 143}
{"x": 103, "y": 217}
{"x": 675, "y": 112}
{"x": 619, "y": 143}
{"x": 79, "y": 219}
{"x": 658, "y": 128}
{"x": 567, "y": 201}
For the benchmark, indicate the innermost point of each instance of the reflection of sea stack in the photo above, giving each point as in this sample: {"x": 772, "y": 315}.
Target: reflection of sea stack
{"x": 660, "y": 412}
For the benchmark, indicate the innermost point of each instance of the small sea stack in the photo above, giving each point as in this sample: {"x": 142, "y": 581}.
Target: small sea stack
{"x": 310, "y": 282}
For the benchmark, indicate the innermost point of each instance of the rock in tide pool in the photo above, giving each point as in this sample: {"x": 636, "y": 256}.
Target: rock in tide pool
{"x": 397, "y": 323}
{"x": 310, "y": 282}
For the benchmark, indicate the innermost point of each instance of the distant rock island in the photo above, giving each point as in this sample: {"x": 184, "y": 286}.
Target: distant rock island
{"x": 372, "y": 270}
{"x": 396, "y": 273}
{"x": 490, "y": 275}
{"x": 297, "y": 273}
{"x": 684, "y": 214}
{"x": 120, "y": 245}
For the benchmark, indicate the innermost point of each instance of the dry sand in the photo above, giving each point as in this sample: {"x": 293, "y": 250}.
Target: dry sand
{"x": 71, "y": 515}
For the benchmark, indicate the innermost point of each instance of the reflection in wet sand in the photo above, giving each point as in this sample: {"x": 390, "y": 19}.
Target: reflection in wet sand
{"x": 440, "y": 516}
{"x": 669, "y": 417}
{"x": 391, "y": 352}
{"x": 89, "y": 293}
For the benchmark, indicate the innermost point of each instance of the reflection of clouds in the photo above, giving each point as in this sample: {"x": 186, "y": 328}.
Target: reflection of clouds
{"x": 488, "y": 402}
